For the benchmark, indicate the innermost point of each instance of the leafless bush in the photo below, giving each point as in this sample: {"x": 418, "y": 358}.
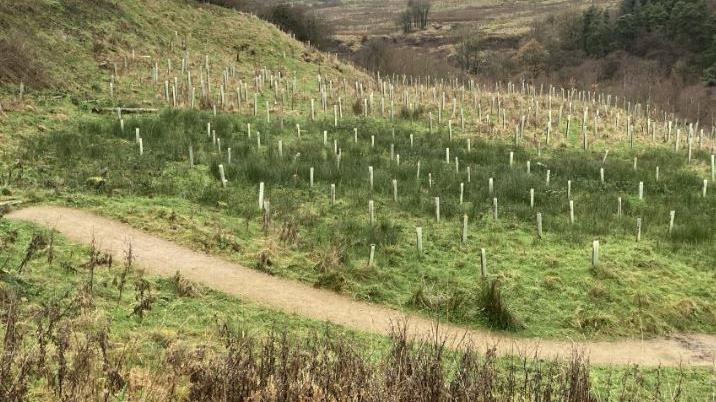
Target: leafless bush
{"x": 183, "y": 286}
{"x": 77, "y": 362}
{"x": 126, "y": 270}
{"x": 143, "y": 296}
{"x": 37, "y": 243}
{"x": 381, "y": 55}
{"x": 264, "y": 263}
{"x": 289, "y": 232}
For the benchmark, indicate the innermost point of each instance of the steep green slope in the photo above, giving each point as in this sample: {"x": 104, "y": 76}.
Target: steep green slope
{"x": 72, "y": 46}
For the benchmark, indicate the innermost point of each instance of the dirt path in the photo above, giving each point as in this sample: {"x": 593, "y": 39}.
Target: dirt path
{"x": 164, "y": 258}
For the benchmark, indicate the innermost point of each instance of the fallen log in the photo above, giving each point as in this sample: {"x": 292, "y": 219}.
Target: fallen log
{"x": 125, "y": 110}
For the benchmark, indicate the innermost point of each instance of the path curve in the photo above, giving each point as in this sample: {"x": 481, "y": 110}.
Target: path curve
{"x": 161, "y": 257}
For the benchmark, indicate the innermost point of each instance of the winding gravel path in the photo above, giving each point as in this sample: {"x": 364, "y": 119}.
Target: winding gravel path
{"x": 163, "y": 258}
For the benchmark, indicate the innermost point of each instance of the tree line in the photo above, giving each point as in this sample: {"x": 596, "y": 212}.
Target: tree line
{"x": 415, "y": 16}
{"x": 669, "y": 31}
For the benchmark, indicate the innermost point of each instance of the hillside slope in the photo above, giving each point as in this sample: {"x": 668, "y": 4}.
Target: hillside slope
{"x": 60, "y": 58}
{"x": 72, "y": 46}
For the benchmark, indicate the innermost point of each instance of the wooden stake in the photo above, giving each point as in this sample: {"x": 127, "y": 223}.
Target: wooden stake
{"x": 464, "y": 229}
{"x": 638, "y": 229}
{"x": 261, "y": 195}
{"x": 532, "y": 198}
{"x": 539, "y": 225}
{"x": 595, "y": 253}
{"x": 222, "y": 175}
{"x": 672, "y": 215}
{"x": 641, "y": 190}
{"x": 547, "y": 178}
{"x": 437, "y": 209}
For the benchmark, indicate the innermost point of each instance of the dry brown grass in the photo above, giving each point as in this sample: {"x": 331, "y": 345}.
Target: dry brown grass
{"x": 62, "y": 348}
{"x": 19, "y": 64}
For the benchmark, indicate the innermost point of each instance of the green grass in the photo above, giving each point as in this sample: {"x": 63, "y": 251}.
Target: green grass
{"x": 659, "y": 285}
{"x": 78, "y": 53}
{"x": 195, "y": 319}
{"x": 197, "y": 322}
{"x": 70, "y": 49}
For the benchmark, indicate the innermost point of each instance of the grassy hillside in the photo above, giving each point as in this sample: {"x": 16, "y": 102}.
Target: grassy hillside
{"x": 257, "y": 102}
{"x": 72, "y": 46}
{"x": 64, "y": 54}
{"x": 230, "y": 93}
{"x": 339, "y": 128}
{"x": 657, "y": 285}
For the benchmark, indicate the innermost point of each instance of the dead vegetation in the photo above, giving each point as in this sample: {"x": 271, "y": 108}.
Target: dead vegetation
{"x": 495, "y": 308}
{"x": 183, "y": 286}
{"x": 331, "y": 268}
{"x": 289, "y": 232}
{"x": 19, "y": 64}
{"x": 264, "y": 262}
{"x": 80, "y": 363}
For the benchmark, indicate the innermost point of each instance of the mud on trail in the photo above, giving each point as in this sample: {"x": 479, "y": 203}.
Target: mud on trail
{"x": 163, "y": 258}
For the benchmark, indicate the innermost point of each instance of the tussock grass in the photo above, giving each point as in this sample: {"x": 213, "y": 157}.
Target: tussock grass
{"x": 672, "y": 267}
